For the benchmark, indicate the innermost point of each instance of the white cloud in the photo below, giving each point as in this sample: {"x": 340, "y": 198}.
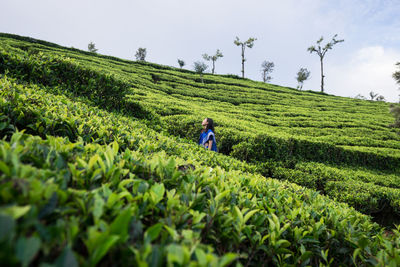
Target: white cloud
{"x": 369, "y": 69}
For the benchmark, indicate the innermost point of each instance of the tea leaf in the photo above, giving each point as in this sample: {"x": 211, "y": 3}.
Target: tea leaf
{"x": 120, "y": 225}
{"x": 98, "y": 207}
{"x": 249, "y": 214}
{"x": 15, "y": 211}
{"x": 26, "y": 249}
{"x": 153, "y": 232}
{"x": 157, "y": 193}
{"x": 67, "y": 259}
{"x": 102, "y": 247}
{"x": 227, "y": 259}
{"x": 4, "y": 168}
{"x": 7, "y": 226}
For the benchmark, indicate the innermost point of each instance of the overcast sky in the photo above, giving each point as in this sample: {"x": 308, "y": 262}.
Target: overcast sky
{"x": 185, "y": 29}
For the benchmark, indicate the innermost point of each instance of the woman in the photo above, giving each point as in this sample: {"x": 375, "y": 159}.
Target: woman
{"x": 207, "y": 136}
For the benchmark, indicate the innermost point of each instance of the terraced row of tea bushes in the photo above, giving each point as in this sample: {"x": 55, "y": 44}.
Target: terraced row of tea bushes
{"x": 263, "y": 147}
{"x": 64, "y": 75}
{"x": 28, "y": 43}
{"x": 39, "y": 112}
{"x": 377, "y": 195}
{"x": 74, "y": 204}
{"x": 85, "y": 203}
{"x": 340, "y": 172}
{"x": 55, "y": 71}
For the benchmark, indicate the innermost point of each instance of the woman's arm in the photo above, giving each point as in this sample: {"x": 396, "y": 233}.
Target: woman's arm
{"x": 210, "y": 144}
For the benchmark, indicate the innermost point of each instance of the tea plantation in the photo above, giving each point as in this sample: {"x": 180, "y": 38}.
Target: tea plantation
{"x": 99, "y": 166}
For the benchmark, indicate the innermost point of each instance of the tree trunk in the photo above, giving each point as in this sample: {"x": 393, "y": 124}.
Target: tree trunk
{"x": 322, "y": 75}
{"x": 213, "y": 66}
{"x": 243, "y": 47}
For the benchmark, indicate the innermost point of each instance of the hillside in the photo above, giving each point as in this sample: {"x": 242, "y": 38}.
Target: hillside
{"x": 106, "y": 170}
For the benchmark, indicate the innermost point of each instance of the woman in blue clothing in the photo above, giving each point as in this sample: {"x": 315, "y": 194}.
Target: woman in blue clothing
{"x": 207, "y": 135}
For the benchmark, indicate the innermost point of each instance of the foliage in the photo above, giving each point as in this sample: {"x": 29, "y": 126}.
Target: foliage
{"x": 141, "y": 54}
{"x": 372, "y": 95}
{"x": 380, "y": 98}
{"x": 92, "y": 47}
{"x": 249, "y": 43}
{"x": 181, "y": 63}
{"x": 360, "y": 96}
{"x": 213, "y": 58}
{"x": 302, "y": 75}
{"x": 266, "y": 69}
{"x": 396, "y": 74}
{"x": 321, "y": 51}
{"x": 200, "y": 67}
{"x": 395, "y": 110}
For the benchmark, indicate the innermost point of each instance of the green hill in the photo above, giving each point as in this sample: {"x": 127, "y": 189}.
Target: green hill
{"x": 99, "y": 165}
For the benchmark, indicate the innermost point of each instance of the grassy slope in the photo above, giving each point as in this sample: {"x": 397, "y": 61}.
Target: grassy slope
{"x": 176, "y": 102}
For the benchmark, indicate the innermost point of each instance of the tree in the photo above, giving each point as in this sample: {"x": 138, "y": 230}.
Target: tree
{"x": 380, "y": 98}
{"x": 360, "y": 96}
{"x": 321, "y": 51}
{"x": 249, "y": 43}
{"x": 92, "y": 47}
{"x": 213, "y": 58}
{"x": 302, "y": 75}
{"x": 200, "y": 68}
{"x": 372, "y": 95}
{"x": 396, "y": 75}
{"x": 395, "y": 109}
{"x": 141, "y": 54}
{"x": 266, "y": 68}
{"x": 181, "y": 63}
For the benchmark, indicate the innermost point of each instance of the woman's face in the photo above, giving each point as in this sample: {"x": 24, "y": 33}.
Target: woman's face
{"x": 204, "y": 123}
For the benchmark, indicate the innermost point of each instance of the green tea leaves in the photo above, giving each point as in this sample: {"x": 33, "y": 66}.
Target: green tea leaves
{"x": 227, "y": 259}
{"x": 97, "y": 207}
{"x": 4, "y": 169}
{"x": 101, "y": 249}
{"x": 120, "y": 225}
{"x": 248, "y": 215}
{"x": 15, "y": 211}
{"x": 153, "y": 232}
{"x": 157, "y": 193}
{"x": 26, "y": 249}
{"x": 67, "y": 259}
{"x": 7, "y": 227}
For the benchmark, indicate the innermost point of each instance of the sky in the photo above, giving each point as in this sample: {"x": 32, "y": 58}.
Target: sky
{"x": 186, "y": 29}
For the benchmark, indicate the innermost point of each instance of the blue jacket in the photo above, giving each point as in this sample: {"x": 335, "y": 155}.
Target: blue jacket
{"x": 205, "y": 136}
